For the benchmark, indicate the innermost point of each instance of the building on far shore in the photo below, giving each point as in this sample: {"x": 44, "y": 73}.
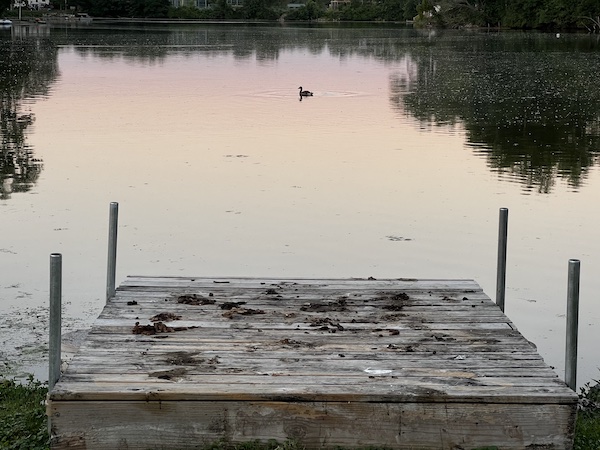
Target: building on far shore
{"x": 200, "y": 4}
{"x": 31, "y": 4}
{"x": 335, "y": 4}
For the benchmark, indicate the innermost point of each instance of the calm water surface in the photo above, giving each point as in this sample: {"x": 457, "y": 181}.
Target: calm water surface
{"x": 396, "y": 167}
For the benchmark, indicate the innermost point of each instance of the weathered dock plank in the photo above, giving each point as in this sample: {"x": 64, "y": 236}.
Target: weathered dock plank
{"x": 180, "y": 362}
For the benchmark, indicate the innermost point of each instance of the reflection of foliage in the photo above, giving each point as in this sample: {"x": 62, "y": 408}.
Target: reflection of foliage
{"x": 27, "y": 69}
{"x": 244, "y": 41}
{"x": 19, "y": 170}
{"x": 537, "y": 113}
{"x": 529, "y": 102}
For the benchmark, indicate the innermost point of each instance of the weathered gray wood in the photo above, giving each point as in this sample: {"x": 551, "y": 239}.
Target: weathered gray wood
{"x": 96, "y": 425}
{"x": 331, "y": 283}
{"x": 399, "y": 363}
{"x": 134, "y": 388}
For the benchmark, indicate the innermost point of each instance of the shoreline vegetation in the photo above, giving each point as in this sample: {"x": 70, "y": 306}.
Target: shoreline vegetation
{"x": 23, "y": 422}
{"x": 544, "y": 15}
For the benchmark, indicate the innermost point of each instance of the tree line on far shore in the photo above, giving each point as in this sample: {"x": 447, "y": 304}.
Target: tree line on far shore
{"x": 533, "y": 14}
{"x": 519, "y": 14}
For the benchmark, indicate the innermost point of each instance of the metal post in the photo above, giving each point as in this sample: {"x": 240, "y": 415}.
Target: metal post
{"x": 112, "y": 250}
{"x": 572, "y": 324}
{"x": 502, "y": 243}
{"x": 55, "y": 318}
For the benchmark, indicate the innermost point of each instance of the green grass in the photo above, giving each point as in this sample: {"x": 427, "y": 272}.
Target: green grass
{"x": 587, "y": 428}
{"x": 23, "y": 424}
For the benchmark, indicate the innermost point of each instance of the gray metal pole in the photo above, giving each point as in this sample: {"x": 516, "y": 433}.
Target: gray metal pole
{"x": 55, "y": 318}
{"x": 572, "y": 324}
{"x": 502, "y": 244}
{"x": 112, "y": 250}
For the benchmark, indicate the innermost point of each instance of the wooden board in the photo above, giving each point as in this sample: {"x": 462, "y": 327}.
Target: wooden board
{"x": 399, "y": 363}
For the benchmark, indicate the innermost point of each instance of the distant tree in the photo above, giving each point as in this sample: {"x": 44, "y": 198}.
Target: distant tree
{"x": 555, "y": 14}
{"x": 185, "y": 12}
{"x": 393, "y": 9}
{"x": 522, "y": 13}
{"x": 259, "y": 9}
{"x": 493, "y": 11}
{"x": 148, "y": 8}
{"x": 539, "y": 14}
{"x": 26, "y": 71}
{"x": 361, "y": 11}
{"x": 157, "y": 8}
{"x": 451, "y": 13}
{"x": 410, "y": 9}
{"x": 107, "y": 8}
{"x": 4, "y": 5}
{"x": 310, "y": 11}
{"x": 589, "y": 8}
{"x": 80, "y": 5}
{"x": 428, "y": 14}
{"x": 57, "y": 4}
{"x": 222, "y": 10}
{"x": 591, "y": 23}
{"x": 463, "y": 12}
{"x": 587, "y": 14}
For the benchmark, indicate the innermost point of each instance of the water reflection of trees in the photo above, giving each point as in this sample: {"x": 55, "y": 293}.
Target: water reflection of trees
{"x": 27, "y": 69}
{"x": 265, "y": 43}
{"x": 528, "y": 101}
{"x": 531, "y": 108}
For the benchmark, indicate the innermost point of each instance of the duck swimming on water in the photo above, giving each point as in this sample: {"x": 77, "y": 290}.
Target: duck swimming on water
{"x": 305, "y": 93}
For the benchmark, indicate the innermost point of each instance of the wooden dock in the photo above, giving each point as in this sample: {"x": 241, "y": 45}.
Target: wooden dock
{"x": 179, "y": 363}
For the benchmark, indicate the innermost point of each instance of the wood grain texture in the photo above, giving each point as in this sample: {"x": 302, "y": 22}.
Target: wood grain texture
{"x": 398, "y": 363}
{"x": 185, "y": 424}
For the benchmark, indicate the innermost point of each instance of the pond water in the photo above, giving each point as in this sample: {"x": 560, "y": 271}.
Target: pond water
{"x": 396, "y": 167}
